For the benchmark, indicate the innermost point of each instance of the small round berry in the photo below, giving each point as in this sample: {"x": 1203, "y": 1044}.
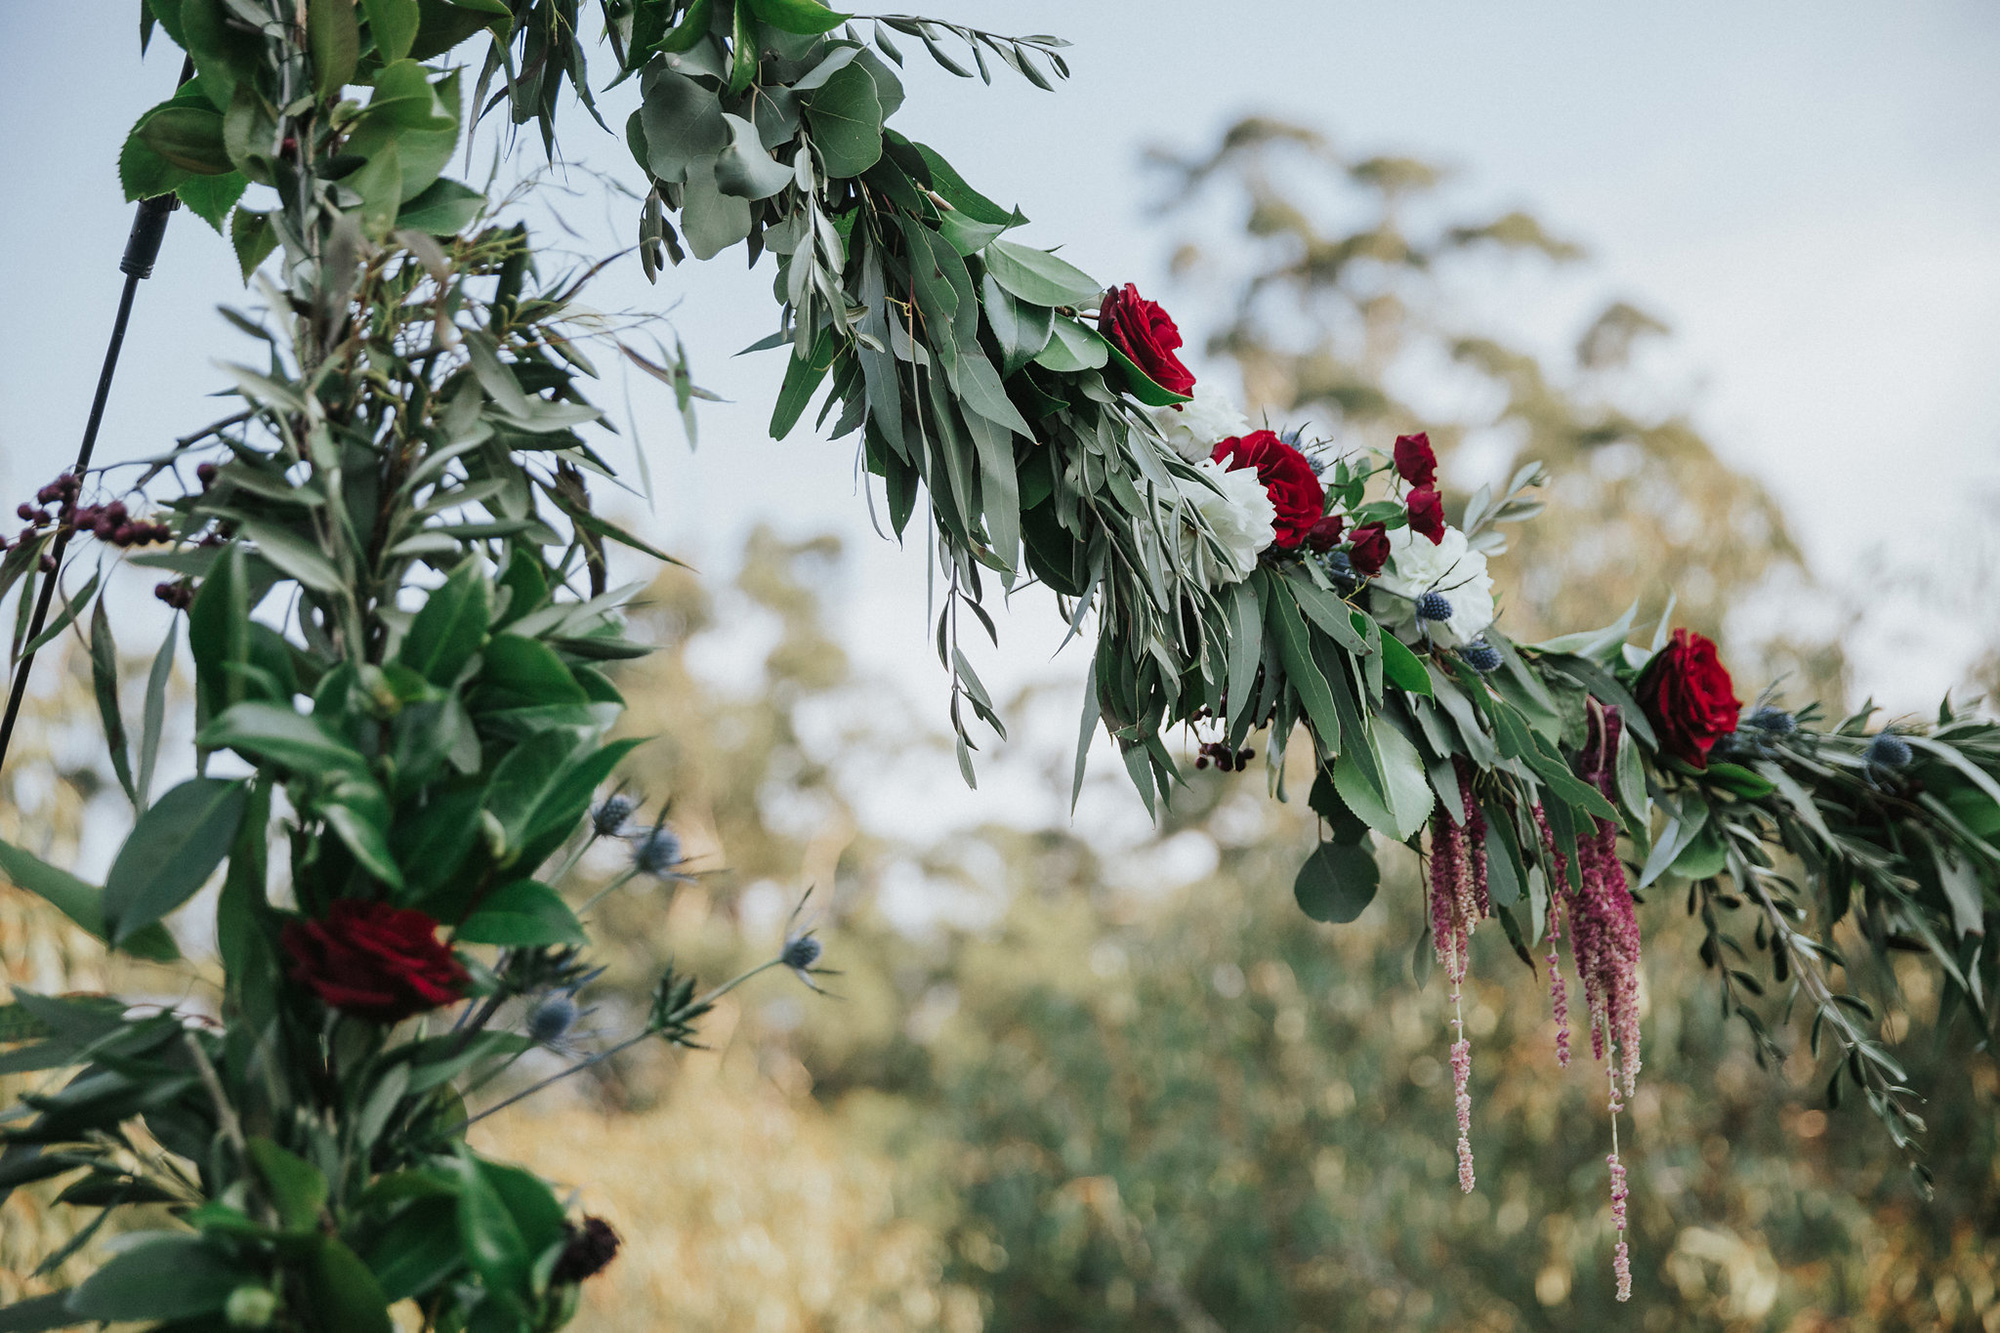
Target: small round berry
{"x": 1201, "y": 761}
{"x": 1481, "y": 656}
{"x": 1888, "y": 750}
{"x": 1433, "y": 606}
{"x": 205, "y": 474}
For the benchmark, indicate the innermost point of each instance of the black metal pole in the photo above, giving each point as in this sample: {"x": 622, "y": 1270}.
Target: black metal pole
{"x": 142, "y": 249}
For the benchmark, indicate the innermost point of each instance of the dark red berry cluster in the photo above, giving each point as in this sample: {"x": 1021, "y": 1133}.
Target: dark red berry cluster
{"x": 107, "y": 522}
{"x": 177, "y": 593}
{"x": 1224, "y": 758}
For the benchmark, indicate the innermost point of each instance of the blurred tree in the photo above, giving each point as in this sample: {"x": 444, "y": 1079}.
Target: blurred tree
{"x": 1349, "y": 310}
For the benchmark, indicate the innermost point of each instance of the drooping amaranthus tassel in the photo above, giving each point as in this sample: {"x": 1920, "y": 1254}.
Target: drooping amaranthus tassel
{"x": 1560, "y": 897}
{"x": 1621, "y": 1257}
{"x": 1604, "y": 928}
{"x": 1457, "y": 901}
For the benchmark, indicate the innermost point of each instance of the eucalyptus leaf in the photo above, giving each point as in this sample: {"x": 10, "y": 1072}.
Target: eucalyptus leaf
{"x": 1337, "y": 882}
{"x": 170, "y": 853}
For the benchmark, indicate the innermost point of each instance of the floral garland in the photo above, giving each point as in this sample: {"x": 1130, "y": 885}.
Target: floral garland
{"x": 405, "y": 492}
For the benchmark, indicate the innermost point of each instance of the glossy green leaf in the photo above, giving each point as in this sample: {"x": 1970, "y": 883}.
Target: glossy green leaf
{"x": 419, "y": 1249}
{"x": 450, "y": 626}
{"x": 188, "y": 137}
{"x": 1021, "y": 329}
{"x": 1337, "y": 882}
{"x": 211, "y": 197}
{"x": 846, "y": 117}
{"x": 1404, "y": 668}
{"x": 171, "y": 852}
{"x": 285, "y": 737}
{"x": 393, "y": 25}
{"x": 682, "y": 122}
{"x": 1038, "y": 277}
{"x": 1408, "y": 789}
{"x": 219, "y": 632}
{"x": 104, "y": 683}
{"x": 174, "y": 1275}
{"x": 344, "y": 1292}
{"x": 38, "y": 1314}
{"x": 143, "y": 173}
{"x": 492, "y": 1239}
{"x": 744, "y": 168}
{"x": 522, "y": 913}
{"x": 803, "y": 375}
{"x": 1072, "y": 347}
{"x": 711, "y": 220}
{"x": 333, "y": 37}
{"x": 444, "y": 208}
{"x": 253, "y": 238}
{"x": 1141, "y": 385}
{"x": 801, "y": 16}
{"x": 295, "y": 1187}
{"x": 82, "y": 903}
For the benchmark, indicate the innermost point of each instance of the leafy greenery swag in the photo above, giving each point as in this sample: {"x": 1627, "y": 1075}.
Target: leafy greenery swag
{"x": 423, "y": 707}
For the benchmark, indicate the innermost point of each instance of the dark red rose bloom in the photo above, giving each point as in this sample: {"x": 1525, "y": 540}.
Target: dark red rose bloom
{"x": 1415, "y": 462}
{"x": 1325, "y": 534}
{"x": 1288, "y": 479}
{"x": 1146, "y": 334}
{"x": 1689, "y": 698}
{"x": 1427, "y": 513}
{"x": 1369, "y": 549}
{"x": 374, "y": 961}
{"x": 586, "y": 1251}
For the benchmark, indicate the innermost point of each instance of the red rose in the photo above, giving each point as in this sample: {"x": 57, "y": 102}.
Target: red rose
{"x": 1689, "y": 698}
{"x": 1427, "y": 513}
{"x": 1415, "y": 462}
{"x": 1288, "y": 479}
{"x": 374, "y": 961}
{"x": 1369, "y": 549}
{"x": 1325, "y": 534}
{"x": 1147, "y": 335}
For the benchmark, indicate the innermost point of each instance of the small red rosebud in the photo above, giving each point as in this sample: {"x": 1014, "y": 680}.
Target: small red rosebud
{"x": 1325, "y": 534}
{"x": 1369, "y": 549}
{"x": 1415, "y": 462}
{"x": 1427, "y": 513}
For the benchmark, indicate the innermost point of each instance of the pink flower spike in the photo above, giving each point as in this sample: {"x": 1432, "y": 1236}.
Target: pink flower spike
{"x": 1461, "y": 1077}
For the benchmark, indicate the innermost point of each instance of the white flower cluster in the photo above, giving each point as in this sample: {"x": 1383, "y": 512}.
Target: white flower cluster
{"x": 1194, "y": 428}
{"x": 1237, "y": 510}
{"x": 1449, "y": 567}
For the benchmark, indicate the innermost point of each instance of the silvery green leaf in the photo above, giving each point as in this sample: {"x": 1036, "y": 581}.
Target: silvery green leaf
{"x": 744, "y": 168}
{"x": 682, "y": 121}
{"x": 712, "y": 220}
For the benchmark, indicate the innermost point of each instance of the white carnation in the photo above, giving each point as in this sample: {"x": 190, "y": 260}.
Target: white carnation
{"x": 1450, "y": 567}
{"x": 1198, "y": 426}
{"x": 1238, "y": 511}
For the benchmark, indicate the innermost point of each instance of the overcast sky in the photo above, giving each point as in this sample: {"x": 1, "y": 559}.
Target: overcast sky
{"x": 1806, "y": 192}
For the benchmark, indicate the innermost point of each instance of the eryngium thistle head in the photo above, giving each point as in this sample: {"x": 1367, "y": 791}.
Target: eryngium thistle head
{"x": 551, "y": 1019}
{"x": 1433, "y": 606}
{"x": 608, "y": 819}
{"x": 1774, "y": 720}
{"x": 1888, "y": 750}
{"x": 1481, "y": 656}
{"x": 801, "y": 952}
{"x": 658, "y": 851}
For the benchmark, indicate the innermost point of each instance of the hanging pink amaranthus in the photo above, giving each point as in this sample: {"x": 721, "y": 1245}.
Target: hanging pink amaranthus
{"x": 1604, "y": 941}
{"x": 1458, "y": 899}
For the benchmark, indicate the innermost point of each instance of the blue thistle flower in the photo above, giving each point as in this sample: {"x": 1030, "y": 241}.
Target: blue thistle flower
{"x": 551, "y": 1019}
{"x": 1774, "y": 720}
{"x": 608, "y": 819}
{"x": 658, "y": 852}
{"x": 1888, "y": 750}
{"x": 801, "y": 952}
{"x": 1433, "y": 606}
{"x": 1481, "y": 656}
